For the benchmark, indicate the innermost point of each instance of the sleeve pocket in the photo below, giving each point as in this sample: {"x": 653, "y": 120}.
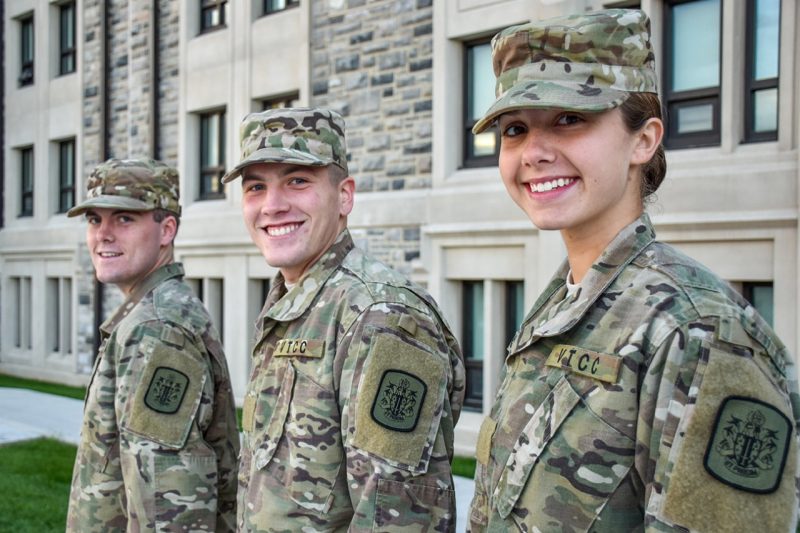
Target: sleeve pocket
{"x": 409, "y": 507}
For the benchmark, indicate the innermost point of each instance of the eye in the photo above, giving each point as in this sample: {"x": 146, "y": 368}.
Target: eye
{"x": 124, "y": 219}
{"x": 514, "y": 129}
{"x": 298, "y": 180}
{"x": 93, "y": 219}
{"x": 253, "y": 186}
{"x": 568, "y": 119}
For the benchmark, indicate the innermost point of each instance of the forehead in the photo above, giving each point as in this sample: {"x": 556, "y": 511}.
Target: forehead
{"x": 264, "y": 171}
{"x": 107, "y": 212}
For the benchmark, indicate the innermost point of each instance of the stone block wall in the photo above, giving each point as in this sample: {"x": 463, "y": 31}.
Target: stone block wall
{"x": 372, "y": 62}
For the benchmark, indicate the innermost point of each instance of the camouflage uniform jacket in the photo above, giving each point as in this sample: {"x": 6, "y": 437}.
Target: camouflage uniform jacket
{"x": 651, "y": 398}
{"x": 159, "y": 444}
{"x": 348, "y": 419}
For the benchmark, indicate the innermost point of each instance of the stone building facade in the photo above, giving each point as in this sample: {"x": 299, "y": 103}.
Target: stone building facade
{"x": 173, "y": 80}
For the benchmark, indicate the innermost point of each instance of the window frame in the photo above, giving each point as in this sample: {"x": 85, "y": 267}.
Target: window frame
{"x": 267, "y": 10}
{"x": 752, "y": 85}
{"x": 26, "y": 64}
{"x": 209, "y": 173}
{"x": 26, "y": 181}
{"x": 67, "y": 51}
{"x": 66, "y": 176}
{"x": 473, "y": 400}
{"x": 219, "y": 6}
{"x": 280, "y": 102}
{"x": 468, "y": 159}
{"x": 675, "y": 100}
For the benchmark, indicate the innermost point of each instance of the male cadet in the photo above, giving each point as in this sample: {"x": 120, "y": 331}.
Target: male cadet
{"x": 357, "y": 381}
{"x": 159, "y": 444}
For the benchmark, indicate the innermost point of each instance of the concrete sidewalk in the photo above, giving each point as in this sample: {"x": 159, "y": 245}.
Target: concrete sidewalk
{"x": 27, "y": 414}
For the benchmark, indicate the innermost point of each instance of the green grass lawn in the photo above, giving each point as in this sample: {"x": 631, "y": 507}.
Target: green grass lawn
{"x": 35, "y": 477}
{"x": 41, "y": 386}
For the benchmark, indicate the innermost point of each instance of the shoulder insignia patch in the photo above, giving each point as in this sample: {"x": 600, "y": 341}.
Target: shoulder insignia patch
{"x": 748, "y": 445}
{"x": 398, "y": 404}
{"x": 587, "y": 363}
{"x": 166, "y": 390}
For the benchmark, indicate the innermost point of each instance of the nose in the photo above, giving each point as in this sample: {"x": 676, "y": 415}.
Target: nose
{"x": 538, "y": 149}
{"x": 275, "y": 201}
{"x": 103, "y": 231}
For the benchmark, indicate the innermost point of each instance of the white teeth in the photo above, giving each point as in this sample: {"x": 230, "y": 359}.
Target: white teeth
{"x": 550, "y": 185}
{"x": 109, "y": 254}
{"x": 277, "y": 231}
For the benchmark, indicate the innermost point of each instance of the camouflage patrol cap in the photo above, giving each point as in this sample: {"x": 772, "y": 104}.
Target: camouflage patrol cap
{"x": 301, "y": 136}
{"x": 132, "y": 185}
{"x": 586, "y": 62}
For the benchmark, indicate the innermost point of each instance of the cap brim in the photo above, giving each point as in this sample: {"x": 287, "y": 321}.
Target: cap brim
{"x": 532, "y": 94}
{"x": 110, "y": 202}
{"x": 273, "y": 154}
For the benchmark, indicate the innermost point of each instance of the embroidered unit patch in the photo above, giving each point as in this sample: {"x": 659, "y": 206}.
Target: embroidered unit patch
{"x": 398, "y": 404}
{"x": 166, "y": 390}
{"x": 748, "y": 445}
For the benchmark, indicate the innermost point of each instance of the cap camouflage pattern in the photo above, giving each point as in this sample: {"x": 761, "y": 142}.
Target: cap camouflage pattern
{"x": 587, "y": 62}
{"x": 131, "y": 184}
{"x": 301, "y": 136}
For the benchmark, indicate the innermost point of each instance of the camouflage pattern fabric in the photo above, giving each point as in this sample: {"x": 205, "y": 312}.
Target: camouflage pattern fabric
{"x": 159, "y": 442}
{"x": 605, "y": 418}
{"x": 586, "y": 62}
{"x": 133, "y": 185}
{"x": 356, "y": 386}
{"x": 301, "y": 136}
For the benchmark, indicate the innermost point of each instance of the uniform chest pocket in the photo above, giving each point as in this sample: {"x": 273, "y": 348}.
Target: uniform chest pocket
{"x": 302, "y": 445}
{"x": 564, "y": 466}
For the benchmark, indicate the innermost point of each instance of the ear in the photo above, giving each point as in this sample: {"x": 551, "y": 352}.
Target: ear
{"x": 169, "y": 227}
{"x": 347, "y": 188}
{"x": 648, "y": 139}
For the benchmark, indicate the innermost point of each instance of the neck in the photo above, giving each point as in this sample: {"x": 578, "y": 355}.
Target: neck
{"x": 585, "y": 246}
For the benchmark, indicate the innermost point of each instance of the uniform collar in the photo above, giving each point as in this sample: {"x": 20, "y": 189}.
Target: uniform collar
{"x": 623, "y": 249}
{"x": 145, "y": 286}
{"x": 286, "y": 305}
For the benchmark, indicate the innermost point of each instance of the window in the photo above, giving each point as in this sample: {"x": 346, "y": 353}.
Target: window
{"x": 273, "y": 6}
{"x": 66, "y": 175}
{"x": 479, "y": 150}
{"x": 211, "y": 291}
{"x": 762, "y": 55}
{"x": 59, "y": 307}
{"x": 515, "y": 309}
{"x": 66, "y": 38}
{"x": 26, "y": 48}
{"x": 692, "y": 73}
{"x": 21, "y": 312}
{"x": 472, "y": 346}
{"x": 289, "y": 100}
{"x": 212, "y": 155}
{"x": 213, "y": 14}
{"x": 761, "y": 296}
{"x": 26, "y": 182}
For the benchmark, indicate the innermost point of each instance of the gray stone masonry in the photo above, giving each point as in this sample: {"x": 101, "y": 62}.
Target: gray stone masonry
{"x": 372, "y": 62}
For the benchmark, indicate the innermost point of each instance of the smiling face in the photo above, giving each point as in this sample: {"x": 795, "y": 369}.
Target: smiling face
{"x": 294, "y": 213}
{"x": 126, "y": 246}
{"x": 574, "y": 172}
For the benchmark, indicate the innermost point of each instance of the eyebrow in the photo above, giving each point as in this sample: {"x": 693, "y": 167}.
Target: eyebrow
{"x": 291, "y": 169}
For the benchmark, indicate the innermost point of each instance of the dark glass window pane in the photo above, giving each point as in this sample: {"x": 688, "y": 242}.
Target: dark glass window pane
{"x": 473, "y": 320}
{"x": 761, "y": 296}
{"x": 765, "y": 110}
{"x": 26, "y": 179}
{"x": 27, "y": 44}
{"x": 767, "y": 38}
{"x": 515, "y": 308}
{"x": 212, "y": 154}
{"x": 692, "y": 119}
{"x": 271, "y": 6}
{"x": 66, "y": 175}
{"x": 479, "y": 83}
{"x": 67, "y": 38}
{"x": 695, "y": 45}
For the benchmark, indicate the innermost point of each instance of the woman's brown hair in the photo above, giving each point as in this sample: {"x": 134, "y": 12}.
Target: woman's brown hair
{"x": 636, "y": 110}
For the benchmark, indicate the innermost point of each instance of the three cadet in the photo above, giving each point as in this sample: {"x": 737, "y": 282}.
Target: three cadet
{"x": 159, "y": 445}
{"x": 357, "y": 381}
{"x": 641, "y": 391}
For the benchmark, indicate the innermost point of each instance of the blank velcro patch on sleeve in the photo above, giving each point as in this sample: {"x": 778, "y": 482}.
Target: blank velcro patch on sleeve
{"x": 167, "y": 397}
{"x": 399, "y": 401}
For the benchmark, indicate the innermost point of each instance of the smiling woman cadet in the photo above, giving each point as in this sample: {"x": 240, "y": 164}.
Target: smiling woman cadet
{"x": 641, "y": 392}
